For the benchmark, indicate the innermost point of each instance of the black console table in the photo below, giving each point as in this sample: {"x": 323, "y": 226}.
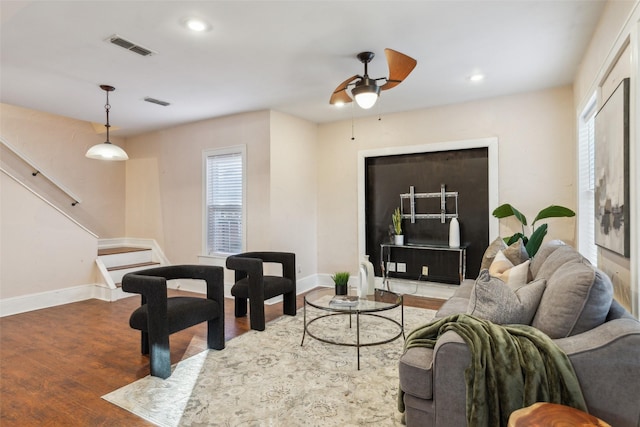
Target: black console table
{"x": 387, "y": 249}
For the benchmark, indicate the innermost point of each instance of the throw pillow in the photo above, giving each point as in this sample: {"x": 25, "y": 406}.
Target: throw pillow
{"x": 514, "y": 275}
{"x": 496, "y": 301}
{"x": 577, "y": 299}
{"x": 491, "y": 251}
{"x": 517, "y": 252}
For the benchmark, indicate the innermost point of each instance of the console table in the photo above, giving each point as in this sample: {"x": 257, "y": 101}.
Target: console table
{"x": 387, "y": 248}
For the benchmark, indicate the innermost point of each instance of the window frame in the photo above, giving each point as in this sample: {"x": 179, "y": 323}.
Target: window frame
{"x": 236, "y": 149}
{"x": 586, "y": 220}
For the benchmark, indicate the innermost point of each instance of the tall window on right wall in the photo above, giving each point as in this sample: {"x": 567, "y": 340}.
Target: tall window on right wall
{"x": 586, "y": 183}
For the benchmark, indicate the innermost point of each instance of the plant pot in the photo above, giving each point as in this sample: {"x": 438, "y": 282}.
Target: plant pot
{"x": 341, "y": 289}
{"x": 398, "y": 239}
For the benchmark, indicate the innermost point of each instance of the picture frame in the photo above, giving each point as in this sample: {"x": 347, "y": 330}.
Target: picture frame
{"x": 612, "y": 172}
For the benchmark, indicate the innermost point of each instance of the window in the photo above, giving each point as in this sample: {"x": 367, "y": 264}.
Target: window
{"x": 586, "y": 183}
{"x": 224, "y": 200}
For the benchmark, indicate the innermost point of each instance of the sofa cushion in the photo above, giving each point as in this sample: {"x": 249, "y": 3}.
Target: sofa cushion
{"x": 560, "y": 256}
{"x": 495, "y": 300}
{"x": 490, "y": 253}
{"x": 454, "y": 305}
{"x": 577, "y": 298}
{"x": 505, "y": 270}
{"x": 545, "y": 250}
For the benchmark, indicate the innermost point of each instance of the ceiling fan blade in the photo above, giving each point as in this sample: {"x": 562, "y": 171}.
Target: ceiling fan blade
{"x": 400, "y": 66}
{"x": 340, "y": 94}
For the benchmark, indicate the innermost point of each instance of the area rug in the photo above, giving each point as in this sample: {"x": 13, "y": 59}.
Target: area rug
{"x": 268, "y": 379}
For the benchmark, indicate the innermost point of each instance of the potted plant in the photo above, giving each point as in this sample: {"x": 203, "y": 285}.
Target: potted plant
{"x": 341, "y": 279}
{"x": 396, "y": 218}
{"x": 533, "y": 242}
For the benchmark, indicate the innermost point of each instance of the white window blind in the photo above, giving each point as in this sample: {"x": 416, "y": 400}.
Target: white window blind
{"x": 224, "y": 204}
{"x": 586, "y": 184}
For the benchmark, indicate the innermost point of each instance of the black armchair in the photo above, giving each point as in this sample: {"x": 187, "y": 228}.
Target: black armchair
{"x": 160, "y": 316}
{"x": 251, "y": 283}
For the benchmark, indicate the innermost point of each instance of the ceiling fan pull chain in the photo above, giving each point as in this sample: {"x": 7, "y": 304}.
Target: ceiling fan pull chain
{"x": 353, "y": 136}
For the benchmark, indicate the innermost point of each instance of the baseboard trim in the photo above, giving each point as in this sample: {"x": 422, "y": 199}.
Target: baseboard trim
{"x": 24, "y": 303}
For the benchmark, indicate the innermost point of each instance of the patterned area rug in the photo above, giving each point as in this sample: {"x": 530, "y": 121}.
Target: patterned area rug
{"x": 269, "y": 379}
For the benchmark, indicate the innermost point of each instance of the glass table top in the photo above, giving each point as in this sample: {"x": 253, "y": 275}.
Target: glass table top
{"x": 326, "y": 299}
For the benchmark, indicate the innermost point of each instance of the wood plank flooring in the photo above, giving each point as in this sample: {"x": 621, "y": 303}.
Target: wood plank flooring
{"x": 56, "y": 363}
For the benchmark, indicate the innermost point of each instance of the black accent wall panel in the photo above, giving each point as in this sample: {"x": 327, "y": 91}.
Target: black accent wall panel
{"x": 465, "y": 171}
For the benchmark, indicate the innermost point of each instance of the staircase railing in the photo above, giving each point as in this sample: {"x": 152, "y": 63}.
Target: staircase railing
{"x": 39, "y": 171}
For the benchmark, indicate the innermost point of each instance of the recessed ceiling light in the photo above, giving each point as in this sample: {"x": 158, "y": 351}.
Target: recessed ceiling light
{"x": 195, "y": 24}
{"x": 477, "y": 77}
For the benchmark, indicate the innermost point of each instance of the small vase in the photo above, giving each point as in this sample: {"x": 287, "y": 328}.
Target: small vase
{"x": 367, "y": 277}
{"x": 341, "y": 289}
{"x": 398, "y": 239}
{"x": 454, "y": 233}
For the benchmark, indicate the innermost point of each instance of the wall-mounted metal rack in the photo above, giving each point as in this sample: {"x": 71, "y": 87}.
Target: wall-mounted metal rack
{"x": 442, "y": 195}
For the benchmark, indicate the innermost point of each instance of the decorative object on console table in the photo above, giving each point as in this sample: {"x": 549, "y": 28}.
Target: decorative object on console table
{"x": 367, "y": 277}
{"x": 397, "y": 227}
{"x": 612, "y": 172}
{"x": 532, "y": 243}
{"x": 341, "y": 279}
{"x": 454, "y": 233}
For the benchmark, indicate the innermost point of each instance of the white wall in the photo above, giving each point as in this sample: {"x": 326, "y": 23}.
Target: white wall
{"x": 535, "y": 133}
{"x": 164, "y": 182}
{"x": 44, "y": 254}
{"x": 58, "y": 144}
{"x": 613, "y": 55}
{"x": 294, "y": 183}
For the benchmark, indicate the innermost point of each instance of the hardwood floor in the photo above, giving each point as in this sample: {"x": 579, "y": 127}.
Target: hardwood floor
{"x": 56, "y": 363}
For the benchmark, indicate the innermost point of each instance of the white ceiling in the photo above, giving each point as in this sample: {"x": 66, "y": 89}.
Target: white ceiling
{"x": 283, "y": 55}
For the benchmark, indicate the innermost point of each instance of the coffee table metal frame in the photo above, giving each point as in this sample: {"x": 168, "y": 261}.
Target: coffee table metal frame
{"x": 364, "y": 307}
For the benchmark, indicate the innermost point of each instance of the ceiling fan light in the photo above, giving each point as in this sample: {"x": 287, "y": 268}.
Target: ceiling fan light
{"x": 366, "y": 95}
{"x": 106, "y": 151}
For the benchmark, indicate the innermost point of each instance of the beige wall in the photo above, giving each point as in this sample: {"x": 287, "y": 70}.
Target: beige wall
{"x": 57, "y": 145}
{"x": 535, "y": 134}
{"x": 41, "y": 249}
{"x": 613, "y": 55}
{"x": 294, "y": 183}
{"x": 165, "y": 182}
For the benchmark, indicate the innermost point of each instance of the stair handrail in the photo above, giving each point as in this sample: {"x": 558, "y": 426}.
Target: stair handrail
{"x": 16, "y": 179}
{"x": 39, "y": 171}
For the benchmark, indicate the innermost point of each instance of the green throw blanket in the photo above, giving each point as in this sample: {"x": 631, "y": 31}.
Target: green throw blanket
{"x": 512, "y": 366}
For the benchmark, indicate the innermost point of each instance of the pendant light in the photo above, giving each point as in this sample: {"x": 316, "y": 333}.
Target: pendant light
{"x": 107, "y": 150}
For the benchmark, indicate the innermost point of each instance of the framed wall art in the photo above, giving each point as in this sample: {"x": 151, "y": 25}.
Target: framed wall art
{"x": 612, "y": 172}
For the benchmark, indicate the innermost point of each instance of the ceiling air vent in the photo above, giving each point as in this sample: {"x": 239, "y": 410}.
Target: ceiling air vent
{"x": 156, "y": 101}
{"x": 129, "y": 45}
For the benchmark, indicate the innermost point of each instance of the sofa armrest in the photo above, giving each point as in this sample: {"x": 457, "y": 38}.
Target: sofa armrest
{"x": 434, "y": 384}
{"x": 450, "y": 360}
{"x": 606, "y": 360}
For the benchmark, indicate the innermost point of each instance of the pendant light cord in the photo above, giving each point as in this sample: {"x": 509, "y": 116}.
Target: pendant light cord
{"x": 107, "y": 107}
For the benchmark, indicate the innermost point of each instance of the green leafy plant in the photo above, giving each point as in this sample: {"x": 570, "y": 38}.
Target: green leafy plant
{"x": 397, "y": 221}
{"x": 533, "y": 242}
{"x": 341, "y": 278}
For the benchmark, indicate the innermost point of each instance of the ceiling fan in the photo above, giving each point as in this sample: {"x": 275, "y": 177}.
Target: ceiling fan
{"x": 366, "y": 90}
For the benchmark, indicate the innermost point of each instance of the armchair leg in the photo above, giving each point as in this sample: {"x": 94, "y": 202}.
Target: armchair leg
{"x": 256, "y": 314}
{"x": 289, "y": 304}
{"x": 215, "y": 333}
{"x": 241, "y": 307}
{"x": 160, "y": 358}
{"x": 144, "y": 343}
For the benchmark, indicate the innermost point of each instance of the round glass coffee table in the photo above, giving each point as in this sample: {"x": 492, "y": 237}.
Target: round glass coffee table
{"x": 326, "y": 300}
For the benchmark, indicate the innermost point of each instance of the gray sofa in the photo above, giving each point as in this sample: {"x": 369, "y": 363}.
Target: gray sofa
{"x": 566, "y": 298}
